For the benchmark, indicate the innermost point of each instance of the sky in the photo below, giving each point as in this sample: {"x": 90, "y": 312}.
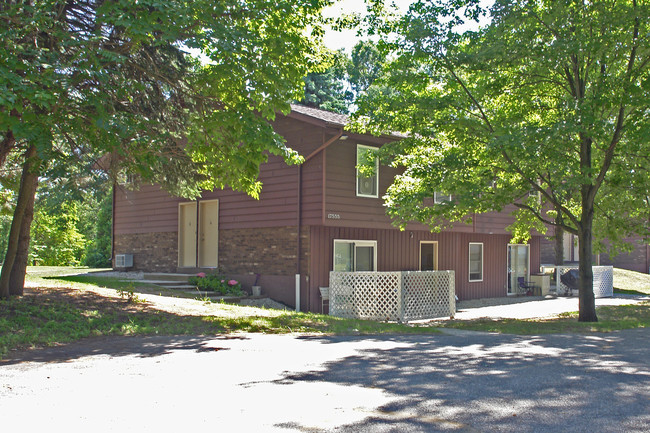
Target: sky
{"x": 348, "y": 38}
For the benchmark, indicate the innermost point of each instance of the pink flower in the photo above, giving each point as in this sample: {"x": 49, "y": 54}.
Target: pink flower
{"x": 223, "y": 281}
{"x": 201, "y": 275}
{"x": 232, "y": 282}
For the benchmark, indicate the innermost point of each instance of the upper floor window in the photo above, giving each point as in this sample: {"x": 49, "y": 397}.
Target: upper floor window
{"x": 367, "y": 182}
{"x": 440, "y": 197}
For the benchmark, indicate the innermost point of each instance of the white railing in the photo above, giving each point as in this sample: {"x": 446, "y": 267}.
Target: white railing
{"x": 603, "y": 280}
{"x": 392, "y": 296}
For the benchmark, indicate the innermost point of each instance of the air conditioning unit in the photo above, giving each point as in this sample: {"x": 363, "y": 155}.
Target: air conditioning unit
{"x": 123, "y": 260}
{"x": 367, "y": 186}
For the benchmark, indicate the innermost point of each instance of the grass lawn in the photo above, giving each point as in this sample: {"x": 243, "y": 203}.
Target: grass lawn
{"x": 59, "y": 308}
{"x": 631, "y": 282}
{"x": 610, "y": 318}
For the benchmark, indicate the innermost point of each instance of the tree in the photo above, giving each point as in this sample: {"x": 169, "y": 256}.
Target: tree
{"x": 549, "y": 98}
{"x": 91, "y": 78}
{"x": 365, "y": 66}
{"x": 326, "y": 87}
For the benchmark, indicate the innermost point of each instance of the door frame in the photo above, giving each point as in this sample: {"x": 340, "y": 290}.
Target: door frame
{"x": 197, "y": 225}
{"x": 435, "y": 243}
{"x": 509, "y": 288}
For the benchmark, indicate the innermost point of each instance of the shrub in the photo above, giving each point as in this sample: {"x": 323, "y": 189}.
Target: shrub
{"x": 216, "y": 283}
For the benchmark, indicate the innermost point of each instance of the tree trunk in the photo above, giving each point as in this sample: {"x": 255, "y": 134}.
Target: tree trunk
{"x": 29, "y": 177}
{"x": 587, "y": 301}
{"x": 559, "y": 246}
{"x": 18, "y": 271}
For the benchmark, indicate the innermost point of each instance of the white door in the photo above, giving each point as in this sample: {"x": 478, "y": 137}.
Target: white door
{"x": 208, "y": 233}
{"x": 187, "y": 235}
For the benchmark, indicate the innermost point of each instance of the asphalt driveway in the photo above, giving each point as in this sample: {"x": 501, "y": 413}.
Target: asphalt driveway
{"x": 456, "y": 382}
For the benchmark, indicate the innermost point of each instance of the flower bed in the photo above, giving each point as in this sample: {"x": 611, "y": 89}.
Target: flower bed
{"x": 217, "y": 283}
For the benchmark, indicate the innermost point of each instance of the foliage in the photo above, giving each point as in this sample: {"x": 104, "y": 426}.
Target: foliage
{"x": 326, "y": 88}
{"x": 55, "y": 238}
{"x": 549, "y": 97}
{"x": 365, "y": 66}
{"x": 217, "y": 283}
{"x": 339, "y": 78}
{"x": 112, "y": 82}
{"x": 129, "y": 294}
{"x": 118, "y": 82}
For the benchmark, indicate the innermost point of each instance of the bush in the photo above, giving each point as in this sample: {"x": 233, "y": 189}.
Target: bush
{"x": 217, "y": 283}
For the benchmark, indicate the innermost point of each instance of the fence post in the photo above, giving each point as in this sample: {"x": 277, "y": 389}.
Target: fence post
{"x": 400, "y": 297}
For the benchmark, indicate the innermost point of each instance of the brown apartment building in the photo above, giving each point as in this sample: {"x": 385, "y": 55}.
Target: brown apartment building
{"x": 312, "y": 219}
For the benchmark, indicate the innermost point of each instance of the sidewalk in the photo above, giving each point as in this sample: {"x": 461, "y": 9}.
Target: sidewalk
{"x": 531, "y": 307}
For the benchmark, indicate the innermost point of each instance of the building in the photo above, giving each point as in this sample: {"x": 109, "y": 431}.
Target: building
{"x": 312, "y": 219}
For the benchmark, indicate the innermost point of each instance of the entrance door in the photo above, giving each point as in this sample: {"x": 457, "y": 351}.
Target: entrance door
{"x": 208, "y": 233}
{"x": 518, "y": 265}
{"x": 428, "y": 256}
{"x": 187, "y": 234}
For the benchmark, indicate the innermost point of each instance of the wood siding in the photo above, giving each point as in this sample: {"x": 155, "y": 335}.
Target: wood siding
{"x": 341, "y": 199}
{"x": 151, "y": 209}
{"x": 400, "y": 251}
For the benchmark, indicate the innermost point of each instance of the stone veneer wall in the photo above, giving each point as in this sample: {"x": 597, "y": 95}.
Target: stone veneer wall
{"x": 269, "y": 251}
{"x": 152, "y": 252}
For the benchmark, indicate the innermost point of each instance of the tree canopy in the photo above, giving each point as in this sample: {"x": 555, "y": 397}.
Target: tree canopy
{"x": 113, "y": 79}
{"x": 549, "y": 97}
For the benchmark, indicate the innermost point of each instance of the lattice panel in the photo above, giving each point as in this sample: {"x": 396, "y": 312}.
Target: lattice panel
{"x": 428, "y": 294}
{"x": 603, "y": 280}
{"x": 392, "y": 295}
{"x": 365, "y": 295}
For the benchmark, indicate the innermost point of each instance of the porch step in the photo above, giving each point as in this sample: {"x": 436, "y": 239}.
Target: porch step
{"x": 160, "y": 276}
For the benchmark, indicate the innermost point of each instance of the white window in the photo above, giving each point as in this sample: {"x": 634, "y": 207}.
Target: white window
{"x": 353, "y": 256}
{"x": 428, "y": 256}
{"x": 476, "y": 261}
{"x": 439, "y": 197}
{"x": 367, "y": 185}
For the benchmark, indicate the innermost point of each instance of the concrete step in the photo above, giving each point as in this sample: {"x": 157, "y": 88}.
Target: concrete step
{"x": 161, "y": 276}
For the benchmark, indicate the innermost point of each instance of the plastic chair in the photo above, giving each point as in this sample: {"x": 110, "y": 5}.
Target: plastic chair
{"x": 526, "y": 286}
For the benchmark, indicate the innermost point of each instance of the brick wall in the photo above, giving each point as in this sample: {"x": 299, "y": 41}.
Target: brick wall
{"x": 270, "y": 251}
{"x": 636, "y": 260}
{"x": 152, "y": 252}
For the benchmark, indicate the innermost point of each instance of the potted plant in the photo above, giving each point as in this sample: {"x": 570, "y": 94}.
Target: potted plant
{"x": 257, "y": 290}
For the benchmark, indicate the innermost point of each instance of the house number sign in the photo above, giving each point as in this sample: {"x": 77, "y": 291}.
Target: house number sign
{"x": 333, "y": 216}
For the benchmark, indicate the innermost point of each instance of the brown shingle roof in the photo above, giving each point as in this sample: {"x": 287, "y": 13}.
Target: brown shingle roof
{"x": 326, "y": 116}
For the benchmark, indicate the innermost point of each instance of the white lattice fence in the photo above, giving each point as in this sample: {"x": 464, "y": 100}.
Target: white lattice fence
{"x": 428, "y": 294}
{"x": 392, "y": 295}
{"x": 603, "y": 280}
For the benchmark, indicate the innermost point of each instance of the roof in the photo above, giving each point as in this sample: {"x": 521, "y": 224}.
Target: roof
{"x": 333, "y": 119}
{"x": 326, "y": 116}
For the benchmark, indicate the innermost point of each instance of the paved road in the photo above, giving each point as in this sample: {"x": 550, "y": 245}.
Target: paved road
{"x": 457, "y": 382}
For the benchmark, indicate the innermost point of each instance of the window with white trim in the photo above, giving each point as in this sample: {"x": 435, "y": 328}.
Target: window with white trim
{"x": 355, "y": 256}
{"x": 367, "y": 184}
{"x": 439, "y": 197}
{"x": 476, "y": 261}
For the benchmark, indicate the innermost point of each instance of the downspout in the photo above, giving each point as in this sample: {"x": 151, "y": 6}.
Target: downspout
{"x": 113, "y": 225}
{"x": 298, "y": 249}
{"x": 299, "y": 216}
